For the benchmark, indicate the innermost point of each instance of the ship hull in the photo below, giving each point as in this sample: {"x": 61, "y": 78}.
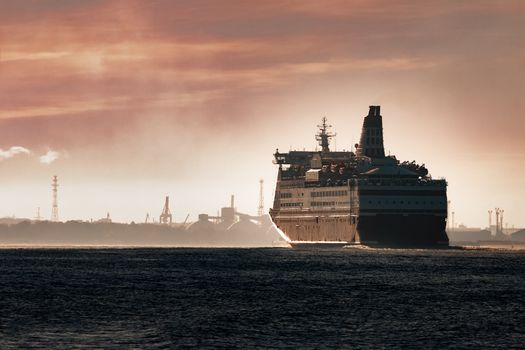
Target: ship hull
{"x": 410, "y": 231}
{"x": 315, "y": 229}
{"x": 382, "y": 230}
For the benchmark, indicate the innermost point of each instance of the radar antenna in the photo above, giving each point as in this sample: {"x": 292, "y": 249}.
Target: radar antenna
{"x": 324, "y": 136}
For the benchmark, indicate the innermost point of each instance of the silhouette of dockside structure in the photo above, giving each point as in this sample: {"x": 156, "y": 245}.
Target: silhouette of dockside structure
{"x": 236, "y": 225}
{"x": 227, "y": 229}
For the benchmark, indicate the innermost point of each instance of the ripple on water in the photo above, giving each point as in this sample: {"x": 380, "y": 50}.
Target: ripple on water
{"x": 158, "y": 298}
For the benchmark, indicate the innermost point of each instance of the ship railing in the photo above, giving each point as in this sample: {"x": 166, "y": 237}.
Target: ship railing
{"x": 390, "y": 182}
{"x": 291, "y": 183}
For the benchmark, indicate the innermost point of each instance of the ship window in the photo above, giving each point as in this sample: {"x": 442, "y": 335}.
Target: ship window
{"x": 369, "y": 202}
{"x": 378, "y": 202}
{"x": 394, "y": 202}
{"x": 402, "y": 202}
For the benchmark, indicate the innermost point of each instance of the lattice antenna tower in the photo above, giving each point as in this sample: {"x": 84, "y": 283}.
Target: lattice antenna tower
{"x": 260, "y": 208}
{"x": 54, "y": 207}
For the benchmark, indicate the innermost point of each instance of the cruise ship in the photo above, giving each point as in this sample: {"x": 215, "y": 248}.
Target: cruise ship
{"x": 328, "y": 198}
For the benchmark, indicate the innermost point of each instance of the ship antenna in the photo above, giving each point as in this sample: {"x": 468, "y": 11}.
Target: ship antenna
{"x": 324, "y": 136}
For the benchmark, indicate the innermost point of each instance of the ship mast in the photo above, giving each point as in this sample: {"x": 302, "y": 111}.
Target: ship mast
{"x": 324, "y": 136}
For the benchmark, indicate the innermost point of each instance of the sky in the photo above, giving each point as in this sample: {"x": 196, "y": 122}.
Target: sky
{"x": 129, "y": 101}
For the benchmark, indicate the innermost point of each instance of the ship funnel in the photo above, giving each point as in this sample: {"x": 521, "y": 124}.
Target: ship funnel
{"x": 371, "y": 142}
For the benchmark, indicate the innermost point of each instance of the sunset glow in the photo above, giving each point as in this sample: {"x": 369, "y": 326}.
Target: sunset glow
{"x": 129, "y": 101}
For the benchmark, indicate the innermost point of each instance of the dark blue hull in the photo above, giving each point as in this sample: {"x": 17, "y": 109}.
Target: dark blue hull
{"x": 395, "y": 230}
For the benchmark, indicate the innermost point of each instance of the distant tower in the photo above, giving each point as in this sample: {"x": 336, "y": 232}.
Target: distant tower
{"x": 448, "y": 216}
{"x": 498, "y": 212}
{"x": 38, "y": 217}
{"x": 371, "y": 142}
{"x": 324, "y": 136}
{"x": 165, "y": 217}
{"x": 260, "y": 208}
{"x": 453, "y": 224}
{"x": 54, "y": 210}
{"x": 147, "y": 218}
{"x": 490, "y": 222}
{"x": 501, "y": 221}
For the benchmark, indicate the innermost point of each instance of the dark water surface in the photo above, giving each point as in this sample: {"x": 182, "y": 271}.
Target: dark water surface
{"x": 266, "y": 298}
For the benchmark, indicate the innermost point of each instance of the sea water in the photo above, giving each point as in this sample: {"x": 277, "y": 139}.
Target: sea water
{"x": 261, "y": 298}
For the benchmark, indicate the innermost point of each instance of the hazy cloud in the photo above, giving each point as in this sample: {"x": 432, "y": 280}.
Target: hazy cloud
{"x": 13, "y": 151}
{"x": 49, "y": 157}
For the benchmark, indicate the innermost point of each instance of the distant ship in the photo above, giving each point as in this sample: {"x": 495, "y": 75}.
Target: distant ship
{"x": 326, "y": 198}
